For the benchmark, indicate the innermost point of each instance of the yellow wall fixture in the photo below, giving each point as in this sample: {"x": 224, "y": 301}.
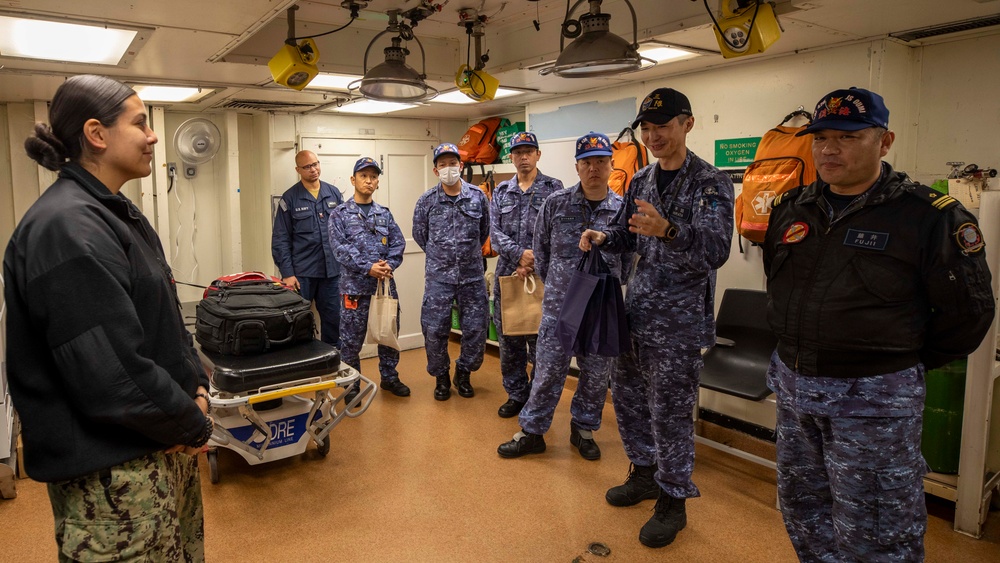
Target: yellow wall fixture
{"x": 746, "y": 31}
{"x": 295, "y": 65}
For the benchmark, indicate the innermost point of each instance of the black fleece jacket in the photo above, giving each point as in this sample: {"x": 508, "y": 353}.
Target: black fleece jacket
{"x": 899, "y": 277}
{"x": 100, "y": 366}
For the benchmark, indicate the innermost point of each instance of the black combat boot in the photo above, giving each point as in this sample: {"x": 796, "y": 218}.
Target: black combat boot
{"x": 524, "y": 443}
{"x": 669, "y": 517}
{"x": 442, "y": 391}
{"x": 396, "y": 387}
{"x": 462, "y": 383}
{"x": 587, "y": 446}
{"x": 638, "y": 486}
{"x": 351, "y": 394}
{"x": 510, "y": 409}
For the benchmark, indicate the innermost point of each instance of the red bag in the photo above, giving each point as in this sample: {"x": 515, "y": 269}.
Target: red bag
{"x": 242, "y": 277}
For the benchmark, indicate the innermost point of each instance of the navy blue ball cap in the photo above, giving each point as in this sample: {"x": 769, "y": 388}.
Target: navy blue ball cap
{"x": 446, "y": 148}
{"x": 852, "y": 109}
{"x": 366, "y": 162}
{"x": 523, "y": 139}
{"x": 593, "y": 144}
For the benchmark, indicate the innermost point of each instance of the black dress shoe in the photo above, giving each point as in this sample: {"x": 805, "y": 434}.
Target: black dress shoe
{"x": 587, "y": 446}
{"x": 442, "y": 391}
{"x": 510, "y": 409}
{"x": 528, "y": 444}
{"x": 396, "y": 387}
{"x": 462, "y": 384}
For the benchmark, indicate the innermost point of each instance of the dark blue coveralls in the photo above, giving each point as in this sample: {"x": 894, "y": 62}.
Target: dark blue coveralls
{"x": 452, "y": 233}
{"x": 300, "y": 247}
{"x": 563, "y": 218}
{"x": 671, "y": 311}
{"x": 512, "y": 226}
{"x": 359, "y": 241}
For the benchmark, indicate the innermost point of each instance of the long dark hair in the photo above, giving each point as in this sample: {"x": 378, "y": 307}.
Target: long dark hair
{"x": 77, "y": 100}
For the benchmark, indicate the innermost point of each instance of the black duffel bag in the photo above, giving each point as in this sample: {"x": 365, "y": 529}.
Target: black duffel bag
{"x": 250, "y": 317}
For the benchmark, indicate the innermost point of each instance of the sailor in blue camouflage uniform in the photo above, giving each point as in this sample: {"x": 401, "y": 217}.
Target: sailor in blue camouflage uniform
{"x": 513, "y": 211}
{"x": 451, "y": 222}
{"x": 369, "y": 246}
{"x": 300, "y": 243}
{"x": 563, "y": 218}
{"x": 872, "y": 278}
{"x": 678, "y": 217}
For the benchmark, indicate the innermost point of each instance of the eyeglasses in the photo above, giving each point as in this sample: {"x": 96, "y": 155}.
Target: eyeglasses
{"x": 310, "y": 166}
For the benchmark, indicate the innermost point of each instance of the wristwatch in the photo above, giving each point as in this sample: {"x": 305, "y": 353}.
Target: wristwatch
{"x": 671, "y": 233}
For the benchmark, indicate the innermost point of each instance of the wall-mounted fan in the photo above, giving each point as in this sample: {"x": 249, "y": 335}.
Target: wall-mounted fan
{"x": 196, "y": 142}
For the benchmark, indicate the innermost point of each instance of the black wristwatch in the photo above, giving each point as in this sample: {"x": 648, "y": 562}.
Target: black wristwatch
{"x": 670, "y": 234}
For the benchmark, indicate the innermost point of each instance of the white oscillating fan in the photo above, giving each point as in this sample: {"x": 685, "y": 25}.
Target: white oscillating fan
{"x": 196, "y": 142}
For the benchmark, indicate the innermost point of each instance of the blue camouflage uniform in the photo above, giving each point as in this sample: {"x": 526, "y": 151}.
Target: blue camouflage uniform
{"x": 300, "y": 247}
{"x": 452, "y": 234}
{"x": 512, "y": 226}
{"x": 670, "y": 304}
{"x": 359, "y": 241}
{"x": 563, "y": 218}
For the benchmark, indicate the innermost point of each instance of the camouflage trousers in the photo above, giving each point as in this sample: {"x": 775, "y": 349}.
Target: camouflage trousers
{"x": 654, "y": 390}
{"x": 146, "y": 509}
{"x": 546, "y": 390}
{"x": 435, "y": 322}
{"x": 851, "y": 488}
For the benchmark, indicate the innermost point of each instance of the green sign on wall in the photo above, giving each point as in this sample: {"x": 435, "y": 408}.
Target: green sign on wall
{"x": 735, "y": 152}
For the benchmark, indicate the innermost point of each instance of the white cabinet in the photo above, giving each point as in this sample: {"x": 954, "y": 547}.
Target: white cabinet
{"x": 8, "y": 422}
{"x": 979, "y": 462}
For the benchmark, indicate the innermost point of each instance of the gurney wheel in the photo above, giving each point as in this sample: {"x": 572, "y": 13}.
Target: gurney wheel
{"x": 213, "y": 465}
{"x": 323, "y": 447}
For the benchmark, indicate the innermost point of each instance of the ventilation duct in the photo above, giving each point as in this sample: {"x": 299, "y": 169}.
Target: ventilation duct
{"x": 946, "y": 28}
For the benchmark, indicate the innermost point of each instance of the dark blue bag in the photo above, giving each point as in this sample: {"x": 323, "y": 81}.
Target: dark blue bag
{"x": 592, "y": 317}
{"x": 573, "y": 312}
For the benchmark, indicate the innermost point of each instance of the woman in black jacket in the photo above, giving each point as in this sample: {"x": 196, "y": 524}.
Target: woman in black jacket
{"x": 112, "y": 397}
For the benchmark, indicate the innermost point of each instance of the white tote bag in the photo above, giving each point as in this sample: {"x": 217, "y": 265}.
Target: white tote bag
{"x": 382, "y": 313}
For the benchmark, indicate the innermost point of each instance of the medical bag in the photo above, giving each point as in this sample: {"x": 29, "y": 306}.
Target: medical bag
{"x": 250, "y": 313}
{"x": 783, "y": 161}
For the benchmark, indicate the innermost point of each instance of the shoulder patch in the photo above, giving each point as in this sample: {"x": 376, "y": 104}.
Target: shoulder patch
{"x": 282, "y": 204}
{"x": 786, "y": 196}
{"x": 937, "y": 199}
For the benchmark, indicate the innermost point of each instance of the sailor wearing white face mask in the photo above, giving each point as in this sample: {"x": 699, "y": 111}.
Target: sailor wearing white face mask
{"x": 451, "y": 222}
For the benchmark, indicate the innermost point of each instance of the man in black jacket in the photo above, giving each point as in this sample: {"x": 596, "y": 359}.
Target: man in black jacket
{"x": 871, "y": 279}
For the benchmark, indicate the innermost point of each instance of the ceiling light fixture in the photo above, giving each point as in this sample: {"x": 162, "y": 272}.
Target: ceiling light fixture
{"x": 372, "y": 107}
{"x": 394, "y": 80}
{"x": 332, "y": 81}
{"x": 666, "y": 53}
{"x": 459, "y": 97}
{"x": 595, "y": 51}
{"x": 69, "y": 42}
{"x": 177, "y": 94}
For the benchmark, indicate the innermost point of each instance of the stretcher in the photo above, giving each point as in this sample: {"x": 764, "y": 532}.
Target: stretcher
{"x": 271, "y": 406}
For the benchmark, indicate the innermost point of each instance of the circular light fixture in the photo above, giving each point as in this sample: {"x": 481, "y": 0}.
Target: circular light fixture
{"x": 394, "y": 80}
{"x": 597, "y": 51}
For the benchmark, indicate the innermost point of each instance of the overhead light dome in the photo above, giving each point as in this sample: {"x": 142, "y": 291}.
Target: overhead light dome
{"x": 596, "y": 51}
{"x": 394, "y": 80}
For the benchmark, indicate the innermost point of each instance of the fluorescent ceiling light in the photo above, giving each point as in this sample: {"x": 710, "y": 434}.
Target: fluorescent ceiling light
{"x": 457, "y": 97}
{"x": 662, "y": 53}
{"x": 334, "y": 81}
{"x": 66, "y": 42}
{"x": 371, "y": 107}
{"x": 151, "y": 93}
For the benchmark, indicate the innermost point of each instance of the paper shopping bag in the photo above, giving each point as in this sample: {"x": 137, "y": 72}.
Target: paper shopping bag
{"x": 521, "y": 304}
{"x": 382, "y": 318}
